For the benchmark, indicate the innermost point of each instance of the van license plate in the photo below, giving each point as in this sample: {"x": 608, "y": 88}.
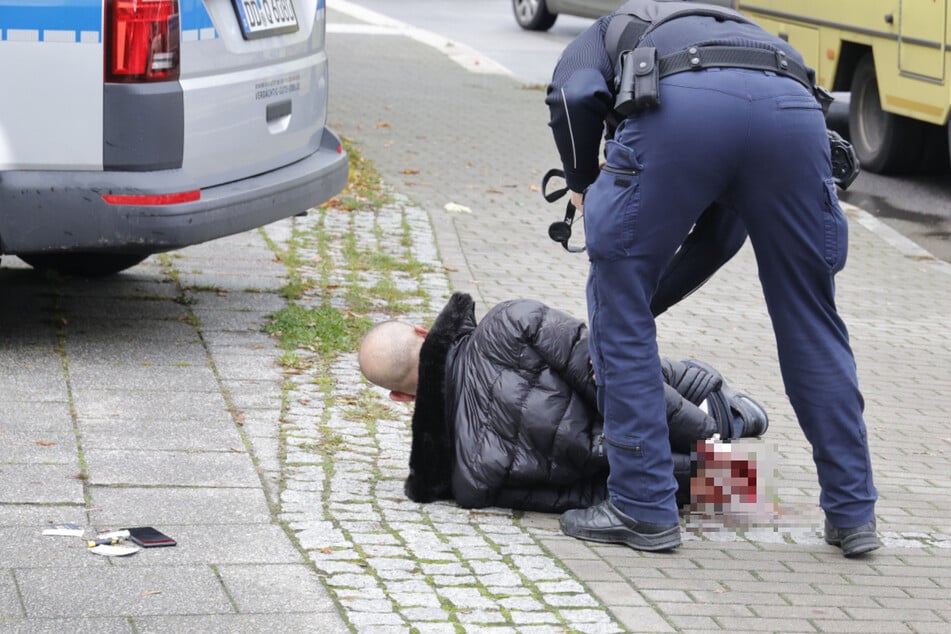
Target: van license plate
{"x": 263, "y": 18}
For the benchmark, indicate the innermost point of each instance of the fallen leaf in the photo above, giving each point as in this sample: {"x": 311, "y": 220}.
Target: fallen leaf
{"x": 410, "y": 171}
{"x": 151, "y": 592}
{"x": 383, "y": 124}
{"x": 533, "y": 188}
{"x": 327, "y": 550}
{"x": 492, "y": 190}
{"x": 450, "y": 269}
{"x": 45, "y": 443}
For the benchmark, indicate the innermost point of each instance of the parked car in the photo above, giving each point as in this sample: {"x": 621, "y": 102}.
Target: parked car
{"x": 540, "y": 15}
{"x": 132, "y": 127}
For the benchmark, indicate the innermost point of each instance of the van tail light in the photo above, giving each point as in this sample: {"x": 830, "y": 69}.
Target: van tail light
{"x": 142, "y": 40}
{"x": 153, "y": 199}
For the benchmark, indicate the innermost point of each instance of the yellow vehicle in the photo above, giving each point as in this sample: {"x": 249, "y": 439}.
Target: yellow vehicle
{"x": 891, "y": 55}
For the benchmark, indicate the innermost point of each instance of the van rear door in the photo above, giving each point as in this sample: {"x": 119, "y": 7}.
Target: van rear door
{"x": 254, "y": 85}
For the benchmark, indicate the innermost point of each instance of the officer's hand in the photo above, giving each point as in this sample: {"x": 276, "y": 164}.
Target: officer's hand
{"x": 578, "y": 201}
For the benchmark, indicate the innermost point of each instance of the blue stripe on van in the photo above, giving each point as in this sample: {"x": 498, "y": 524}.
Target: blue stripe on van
{"x": 51, "y": 15}
{"x": 194, "y": 16}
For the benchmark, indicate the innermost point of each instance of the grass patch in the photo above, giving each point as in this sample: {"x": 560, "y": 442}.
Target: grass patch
{"x": 376, "y": 261}
{"x": 324, "y": 330}
{"x": 364, "y": 186}
{"x": 367, "y": 407}
{"x": 295, "y": 288}
{"x": 291, "y": 360}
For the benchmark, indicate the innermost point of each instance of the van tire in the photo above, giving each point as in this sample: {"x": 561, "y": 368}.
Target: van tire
{"x": 885, "y": 143}
{"x": 83, "y": 264}
{"x": 934, "y": 156}
{"x": 948, "y": 132}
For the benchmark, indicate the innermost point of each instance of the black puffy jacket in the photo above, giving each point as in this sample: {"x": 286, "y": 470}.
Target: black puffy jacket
{"x": 506, "y": 412}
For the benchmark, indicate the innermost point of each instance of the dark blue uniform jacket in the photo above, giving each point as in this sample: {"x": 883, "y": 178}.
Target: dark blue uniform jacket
{"x": 580, "y": 96}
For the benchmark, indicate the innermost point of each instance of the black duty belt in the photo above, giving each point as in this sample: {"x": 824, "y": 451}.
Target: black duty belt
{"x": 700, "y": 57}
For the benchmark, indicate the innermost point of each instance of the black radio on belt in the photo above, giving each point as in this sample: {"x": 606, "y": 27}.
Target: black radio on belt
{"x": 845, "y": 165}
{"x": 637, "y": 81}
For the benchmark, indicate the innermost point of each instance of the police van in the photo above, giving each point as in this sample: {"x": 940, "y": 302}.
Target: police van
{"x": 132, "y": 127}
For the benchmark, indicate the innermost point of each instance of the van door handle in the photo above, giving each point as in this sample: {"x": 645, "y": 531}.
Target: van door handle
{"x": 277, "y": 110}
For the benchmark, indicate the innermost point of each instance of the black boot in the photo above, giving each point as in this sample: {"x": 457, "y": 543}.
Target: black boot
{"x": 853, "y": 541}
{"x": 604, "y": 523}
{"x": 755, "y": 420}
{"x": 726, "y": 405}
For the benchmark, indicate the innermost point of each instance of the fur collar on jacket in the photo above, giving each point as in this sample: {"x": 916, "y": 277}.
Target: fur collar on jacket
{"x": 432, "y": 453}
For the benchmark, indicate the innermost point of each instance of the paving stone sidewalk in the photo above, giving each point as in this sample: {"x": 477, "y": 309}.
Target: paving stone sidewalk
{"x": 480, "y": 141}
{"x": 156, "y": 398}
{"x": 151, "y": 398}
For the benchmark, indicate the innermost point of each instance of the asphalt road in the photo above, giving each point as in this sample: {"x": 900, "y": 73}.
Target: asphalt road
{"x": 919, "y": 207}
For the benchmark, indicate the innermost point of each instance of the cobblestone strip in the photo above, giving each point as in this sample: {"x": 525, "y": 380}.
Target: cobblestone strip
{"x": 392, "y": 564}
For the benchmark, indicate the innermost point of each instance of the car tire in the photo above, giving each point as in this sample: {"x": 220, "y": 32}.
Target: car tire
{"x": 884, "y": 143}
{"x": 83, "y": 264}
{"x": 533, "y": 15}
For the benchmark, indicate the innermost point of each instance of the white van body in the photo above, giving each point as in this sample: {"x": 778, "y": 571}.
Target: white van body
{"x": 224, "y": 130}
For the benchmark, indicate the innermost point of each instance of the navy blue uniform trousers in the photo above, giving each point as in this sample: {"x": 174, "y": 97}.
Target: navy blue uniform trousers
{"x": 755, "y": 145}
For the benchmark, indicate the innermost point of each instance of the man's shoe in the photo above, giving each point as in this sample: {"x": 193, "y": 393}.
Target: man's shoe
{"x": 604, "y": 523}
{"x": 726, "y": 405}
{"x": 755, "y": 419}
{"x": 853, "y": 541}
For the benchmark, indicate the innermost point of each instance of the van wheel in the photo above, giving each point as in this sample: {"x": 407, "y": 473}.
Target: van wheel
{"x": 934, "y": 157}
{"x": 533, "y": 15}
{"x": 948, "y": 128}
{"x": 885, "y": 143}
{"x": 83, "y": 264}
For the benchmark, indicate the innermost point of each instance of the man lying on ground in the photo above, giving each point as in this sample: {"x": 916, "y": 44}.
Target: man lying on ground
{"x": 506, "y": 410}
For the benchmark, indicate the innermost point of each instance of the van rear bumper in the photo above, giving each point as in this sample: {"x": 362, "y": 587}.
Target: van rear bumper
{"x": 57, "y": 211}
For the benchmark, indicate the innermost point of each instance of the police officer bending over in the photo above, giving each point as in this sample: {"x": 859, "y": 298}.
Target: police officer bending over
{"x": 711, "y": 112}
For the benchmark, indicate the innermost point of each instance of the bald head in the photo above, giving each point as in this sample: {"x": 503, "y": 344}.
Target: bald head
{"x": 389, "y": 356}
